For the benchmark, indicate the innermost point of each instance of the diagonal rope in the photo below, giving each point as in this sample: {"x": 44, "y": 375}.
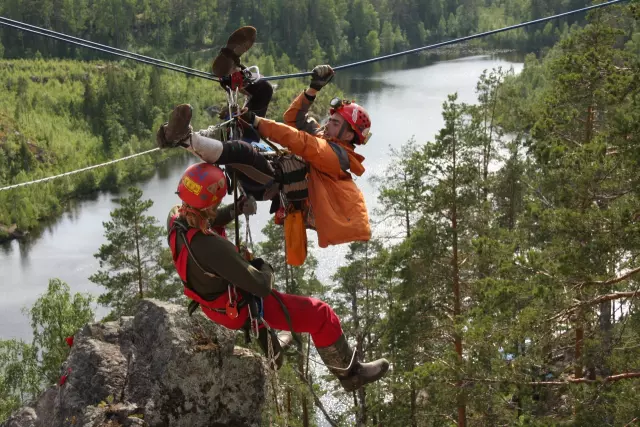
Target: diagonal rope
{"x": 107, "y": 49}
{"x": 49, "y": 178}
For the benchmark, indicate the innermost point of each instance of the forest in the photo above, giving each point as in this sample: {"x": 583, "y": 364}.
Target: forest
{"x": 308, "y": 32}
{"x": 506, "y": 293}
{"x": 59, "y": 112}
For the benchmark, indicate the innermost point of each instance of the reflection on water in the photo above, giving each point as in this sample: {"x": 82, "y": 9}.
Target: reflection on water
{"x": 364, "y": 79}
{"x": 404, "y": 98}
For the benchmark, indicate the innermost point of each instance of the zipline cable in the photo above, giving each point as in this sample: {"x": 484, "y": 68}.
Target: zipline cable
{"x": 198, "y": 73}
{"x": 103, "y": 46}
{"x": 454, "y": 41}
{"x": 128, "y": 56}
{"x": 182, "y": 69}
{"x": 49, "y": 178}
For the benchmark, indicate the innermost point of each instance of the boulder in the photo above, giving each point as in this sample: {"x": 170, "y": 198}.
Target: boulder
{"x": 157, "y": 368}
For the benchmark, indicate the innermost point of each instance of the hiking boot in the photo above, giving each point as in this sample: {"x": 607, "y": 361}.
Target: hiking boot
{"x": 279, "y": 342}
{"x": 353, "y": 374}
{"x": 237, "y": 45}
{"x": 177, "y": 129}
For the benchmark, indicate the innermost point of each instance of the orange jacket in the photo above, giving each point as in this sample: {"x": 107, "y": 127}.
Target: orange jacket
{"x": 337, "y": 203}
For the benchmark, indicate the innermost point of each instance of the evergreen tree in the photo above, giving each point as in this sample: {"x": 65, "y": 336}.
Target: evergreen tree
{"x": 301, "y": 280}
{"x": 131, "y": 256}
{"x": 358, "y": 302}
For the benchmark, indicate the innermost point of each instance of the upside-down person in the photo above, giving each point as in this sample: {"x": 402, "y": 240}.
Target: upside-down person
{"x": 224, "y": 282}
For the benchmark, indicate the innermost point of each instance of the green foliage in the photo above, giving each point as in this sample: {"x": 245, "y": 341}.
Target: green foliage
{"x": 515, "y": 220}
{"x": 55, "y": 316}
{"x": 308, "y": 32}
{"x": 57, "y": 116}
{"x": 20, "y": 377}
{"x": 133, "y": 257}
{"x": 25, "y": 369}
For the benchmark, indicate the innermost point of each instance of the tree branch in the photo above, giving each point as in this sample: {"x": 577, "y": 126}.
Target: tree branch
{"x": 316, "y": 399}
{"x": 605, "y": 380}
{"x": 630, "y": 423}
{"x": 614, "y": 280}
{"x": 597, "y": 300}
{"x": 610, "y": 297}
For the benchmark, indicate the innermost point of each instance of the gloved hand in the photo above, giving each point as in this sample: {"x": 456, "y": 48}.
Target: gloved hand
{"x": 248, "y": 117}
{"x": 260, "y": 264}
{"x": 321, "y": 75}
{"x": 247, "y": 205}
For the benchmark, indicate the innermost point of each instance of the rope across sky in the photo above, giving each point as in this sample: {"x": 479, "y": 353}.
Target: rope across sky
{"x": 49, "y": 178}
{"x": 202, "y": 74}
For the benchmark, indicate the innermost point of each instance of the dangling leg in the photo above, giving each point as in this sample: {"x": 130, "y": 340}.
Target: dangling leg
{"x": 237, "y": 154}
{"x": 318, "y": 319}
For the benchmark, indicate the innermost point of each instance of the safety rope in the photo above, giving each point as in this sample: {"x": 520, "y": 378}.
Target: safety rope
{"x": 271, "y": 357}
{"x": 179, "y": 68}
{"x": 49, "y": 178}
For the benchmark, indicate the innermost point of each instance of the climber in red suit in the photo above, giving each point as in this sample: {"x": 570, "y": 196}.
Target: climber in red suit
{"x": 219, "y": 278}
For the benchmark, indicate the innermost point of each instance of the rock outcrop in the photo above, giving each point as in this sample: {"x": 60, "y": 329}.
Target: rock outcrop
{"x": 158, "y": 368}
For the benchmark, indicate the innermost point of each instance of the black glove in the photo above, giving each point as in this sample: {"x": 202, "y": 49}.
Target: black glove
{"x": 260, "y": 264}
{"x": 321, "y": 75}
{"x": 248, "y": 117}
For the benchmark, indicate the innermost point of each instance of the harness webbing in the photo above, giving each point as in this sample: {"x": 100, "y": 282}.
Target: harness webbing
{"x": 248, "y": 299}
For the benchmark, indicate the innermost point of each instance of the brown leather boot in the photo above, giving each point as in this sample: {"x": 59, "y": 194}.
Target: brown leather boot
{"x": 353, "y": 374}
{"x": 237, "y": 45}
{"x": 177, "y": 129}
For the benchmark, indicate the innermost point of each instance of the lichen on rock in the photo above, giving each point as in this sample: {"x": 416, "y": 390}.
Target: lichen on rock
{"x": 157, "y": 368}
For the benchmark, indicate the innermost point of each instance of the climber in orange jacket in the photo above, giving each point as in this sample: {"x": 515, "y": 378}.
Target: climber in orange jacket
{"x": 338, "y": 206}
{"x": 338, "y": 210}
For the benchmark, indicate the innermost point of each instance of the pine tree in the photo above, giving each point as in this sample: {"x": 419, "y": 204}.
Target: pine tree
{"x": 131, "y": 256}
{"x": 359, "y": 302}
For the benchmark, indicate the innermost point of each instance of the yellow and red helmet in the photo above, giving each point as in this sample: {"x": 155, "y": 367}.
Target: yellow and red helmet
{"x": 202, "y": 185}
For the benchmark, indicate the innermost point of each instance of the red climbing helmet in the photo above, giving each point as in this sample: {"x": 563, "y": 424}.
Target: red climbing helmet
{"x": 355, "y": 115}
{"x": 202, "y": 185}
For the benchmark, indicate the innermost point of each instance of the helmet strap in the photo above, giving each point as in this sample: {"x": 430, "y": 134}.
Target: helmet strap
{"x": 344, "y": 128}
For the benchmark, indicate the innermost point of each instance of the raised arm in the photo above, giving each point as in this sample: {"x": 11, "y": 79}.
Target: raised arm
{"x": 297, "y": 115}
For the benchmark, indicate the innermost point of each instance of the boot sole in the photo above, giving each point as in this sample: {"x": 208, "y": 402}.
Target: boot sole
{"x": 187, "y": 118}
{"x": 350, "y": 386}
{"x": 240, "y": 41}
